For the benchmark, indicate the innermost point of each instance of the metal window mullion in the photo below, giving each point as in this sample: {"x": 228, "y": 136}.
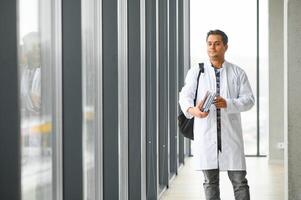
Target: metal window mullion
{"x": 257, "y": 78}
{"x": 185, "y": 9}
{"x": 143, "y": 100}
{"x": 157, "y": 95}
{"x": 177, "y": 161}
{"x": 122, "y": 99}
{"x": 57, "y": 100}
{"x": 99, "y": 101}
{"x": 166, "y": 89}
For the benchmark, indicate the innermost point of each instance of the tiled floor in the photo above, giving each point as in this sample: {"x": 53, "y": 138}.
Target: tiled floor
{"x": 266, "y": 182}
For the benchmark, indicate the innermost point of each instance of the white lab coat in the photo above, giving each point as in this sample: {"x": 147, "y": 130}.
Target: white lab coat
{"x": 236, "y": 90}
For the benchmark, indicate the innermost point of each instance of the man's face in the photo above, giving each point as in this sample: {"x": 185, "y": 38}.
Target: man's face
{"x": 33, "y": 55}
{"x": 215, "y": 47}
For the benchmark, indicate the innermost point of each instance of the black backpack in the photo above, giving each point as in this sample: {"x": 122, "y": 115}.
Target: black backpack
{"x": 186, "y": 125}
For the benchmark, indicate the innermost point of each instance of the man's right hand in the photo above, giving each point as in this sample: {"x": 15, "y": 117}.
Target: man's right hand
{"x": 196, "y": 111}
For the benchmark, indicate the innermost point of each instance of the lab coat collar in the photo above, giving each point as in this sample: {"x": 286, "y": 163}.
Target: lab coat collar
{"x": 224, "y": 78}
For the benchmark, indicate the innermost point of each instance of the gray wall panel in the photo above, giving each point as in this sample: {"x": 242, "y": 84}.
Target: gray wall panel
{"x": 134, "y": 99}
{"x": 163, "y": 95}
{"x": 292, "y": 110}
{"x": 173, "y": 102}
{"x": 10, "y": 122}
{"x": 72, "y": 100}
{"x": 181, "y": 67}
{"x": 276, "y": 83}
{"x": 151, "y": 99}
{"x": 110, "y": 100}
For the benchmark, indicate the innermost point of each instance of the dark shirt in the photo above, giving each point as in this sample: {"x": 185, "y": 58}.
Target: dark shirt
{"x": 218, "y": 111}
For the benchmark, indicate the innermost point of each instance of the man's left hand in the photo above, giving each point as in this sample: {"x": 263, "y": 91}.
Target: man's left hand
{"x": 220, "y": 102}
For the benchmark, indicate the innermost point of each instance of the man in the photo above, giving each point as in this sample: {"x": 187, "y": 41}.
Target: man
{"x": 31, "y": 75}
{"x": 218, "y": 133}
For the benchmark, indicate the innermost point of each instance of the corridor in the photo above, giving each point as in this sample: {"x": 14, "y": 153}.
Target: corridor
{"x": 90, "y": 97}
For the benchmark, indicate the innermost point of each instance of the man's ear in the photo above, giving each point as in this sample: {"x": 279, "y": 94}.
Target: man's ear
{"x": 226, "y": 47}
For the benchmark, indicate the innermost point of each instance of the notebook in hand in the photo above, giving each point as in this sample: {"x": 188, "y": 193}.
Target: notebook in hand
{"x": 207, "y": 101}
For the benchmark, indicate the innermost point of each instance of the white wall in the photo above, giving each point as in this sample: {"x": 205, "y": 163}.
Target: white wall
{"x": 276, "y": 79}
{"x": 292, "y": 88}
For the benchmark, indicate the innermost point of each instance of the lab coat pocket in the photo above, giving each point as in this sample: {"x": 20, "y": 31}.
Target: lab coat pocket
{"x": 235, "y": 122}
{"x": 201, "y": 125}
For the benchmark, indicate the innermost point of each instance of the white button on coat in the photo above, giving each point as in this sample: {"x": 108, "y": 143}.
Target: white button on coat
{"x": 236, "y": 89}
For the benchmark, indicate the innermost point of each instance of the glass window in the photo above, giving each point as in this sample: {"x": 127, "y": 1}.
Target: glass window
{"x": 37, "y": 91}
{"x": 240, "y": 24}
{"x": 264, "y": 78}
{"x": 91, "y": 76}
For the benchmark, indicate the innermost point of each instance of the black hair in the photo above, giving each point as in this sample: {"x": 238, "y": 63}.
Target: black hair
{"x": 218, "y": 32}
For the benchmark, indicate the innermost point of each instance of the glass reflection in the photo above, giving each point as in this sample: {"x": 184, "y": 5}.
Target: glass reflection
{"x": 35, "y": 91}
{"x": 91, "y": 12}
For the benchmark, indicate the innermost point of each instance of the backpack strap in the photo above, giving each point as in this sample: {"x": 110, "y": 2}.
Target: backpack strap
{"x": 201, "y": 66}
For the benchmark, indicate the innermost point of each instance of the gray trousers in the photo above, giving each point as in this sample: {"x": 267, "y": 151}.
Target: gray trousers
{"x": 237, "y": 178}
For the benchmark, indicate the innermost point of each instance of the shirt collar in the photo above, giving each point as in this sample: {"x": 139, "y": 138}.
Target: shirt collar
{"x": 208, "y": 63}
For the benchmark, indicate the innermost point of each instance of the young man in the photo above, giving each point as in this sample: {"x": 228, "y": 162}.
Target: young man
{"x": 218, "y": 133}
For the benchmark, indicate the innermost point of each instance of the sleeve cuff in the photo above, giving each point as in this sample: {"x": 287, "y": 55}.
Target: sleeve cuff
{"x": 185, "y": 111}
{"x": 229, "y": 105}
